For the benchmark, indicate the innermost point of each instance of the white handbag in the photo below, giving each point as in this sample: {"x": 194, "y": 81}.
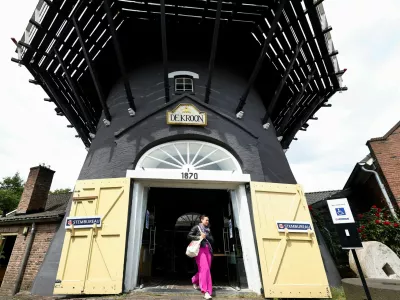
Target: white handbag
{"x": 194, "y": 247}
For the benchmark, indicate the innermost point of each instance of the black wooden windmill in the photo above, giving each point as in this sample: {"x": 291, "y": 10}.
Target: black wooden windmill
{"x": 77, "y": 50}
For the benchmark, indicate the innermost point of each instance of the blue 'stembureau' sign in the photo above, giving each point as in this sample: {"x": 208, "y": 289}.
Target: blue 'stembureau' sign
{"x": 82, "y": 222}
{"x": 293, "y": 226}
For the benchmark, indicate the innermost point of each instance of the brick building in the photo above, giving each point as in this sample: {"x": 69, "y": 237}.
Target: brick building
{"x": 386, "y": 153}
{"x": 384, "y": 158}
{"x": 362, "y": 188}
{"x": 26, "y": 233}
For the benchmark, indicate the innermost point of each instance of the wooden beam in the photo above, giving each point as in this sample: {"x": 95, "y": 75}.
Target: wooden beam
{"x": 304, "y": 117}
{"x": 58, "y": 10}
{"x": 54, "y": 93}
{"x": 295, "y": 103}
{"x": 315, "y": 5}
{"x": 213, "y": 51}
{"x": 54, "y": 5}
{"x": 260, "y": 60}
{"x": 92, "y": 41}
{"x": 285, "y": 28}
{"x": 282, "y": 83}
{"x": 235, "y": 9}
{"x": 77, "y": 97}
{"x": 120, "y": 58}
{"x": 164, "y": 49}
{"x": 319, "y": 58}
{"x": 95, "y": 78}
{"x": 318, "y": 30}
{"x": 303, "y": 31}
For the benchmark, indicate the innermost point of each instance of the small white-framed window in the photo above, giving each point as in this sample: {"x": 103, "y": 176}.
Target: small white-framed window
{"x": 183, "y": 84}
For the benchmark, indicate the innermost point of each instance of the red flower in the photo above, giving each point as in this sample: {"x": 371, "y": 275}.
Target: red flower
{"x": 386, "y": 223}
{"x": 378, "y": 215}
{"x": 362, "y": 227}
{"x": 359, "y": 230}
{"x": 379, "y": 210}
{"x": 377, "y": 221}
{"x": 396, "y": 225}
{"x": 310, "y": 207}
{"x": 360, "y": 216}
{"x": 364, "y": 236}
{"x": 373, "y": 206}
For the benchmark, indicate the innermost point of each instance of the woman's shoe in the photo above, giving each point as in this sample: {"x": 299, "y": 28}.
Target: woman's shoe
{"x": 207, "y": 296}
{"x": 195, "y": 286}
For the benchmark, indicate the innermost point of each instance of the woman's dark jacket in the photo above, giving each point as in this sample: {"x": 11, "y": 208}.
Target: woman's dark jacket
{"x": 194, "y": 235}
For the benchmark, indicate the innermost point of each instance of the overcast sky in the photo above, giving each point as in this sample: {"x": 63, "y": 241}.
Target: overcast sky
{"x": 365, "y": 34}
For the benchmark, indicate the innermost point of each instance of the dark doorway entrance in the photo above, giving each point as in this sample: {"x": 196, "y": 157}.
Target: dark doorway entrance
{"x": 170, "y": 215}
{"x": 6, "y": 246}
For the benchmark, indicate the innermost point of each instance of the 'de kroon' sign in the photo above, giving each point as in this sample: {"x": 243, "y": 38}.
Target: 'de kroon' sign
{"x": 186, "y": 114}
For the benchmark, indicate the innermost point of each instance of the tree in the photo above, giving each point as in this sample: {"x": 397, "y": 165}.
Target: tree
{"x": 11, "y": 189}
{"x": 61, "y": 191}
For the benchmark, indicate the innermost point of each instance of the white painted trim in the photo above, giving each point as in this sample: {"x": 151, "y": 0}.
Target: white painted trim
{"x": 135, "y": 233}
{"x": 11, "y": 212}
{"x": 168, "y": 178}
{"x": 202, "y": 175}
{"x": 183, "y": 73}
{"x": 241, "y": 213}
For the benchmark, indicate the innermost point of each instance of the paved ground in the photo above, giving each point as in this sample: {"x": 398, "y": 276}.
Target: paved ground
{"x": 138, "y": 296}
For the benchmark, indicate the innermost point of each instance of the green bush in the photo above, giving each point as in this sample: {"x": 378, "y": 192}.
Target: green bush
{"x": 379, "y": 225}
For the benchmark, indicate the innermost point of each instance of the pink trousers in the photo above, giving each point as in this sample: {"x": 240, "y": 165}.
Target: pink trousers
{"x": 203, "y": 276}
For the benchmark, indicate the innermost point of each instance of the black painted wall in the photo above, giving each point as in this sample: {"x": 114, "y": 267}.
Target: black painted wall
{"x": 257, "y": 149}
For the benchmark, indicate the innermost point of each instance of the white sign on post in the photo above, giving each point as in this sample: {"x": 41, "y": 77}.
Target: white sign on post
{"x": 340, "y": 211}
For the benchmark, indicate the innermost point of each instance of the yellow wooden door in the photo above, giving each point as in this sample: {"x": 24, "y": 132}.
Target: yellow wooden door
{"x": 92, "y": 258}
{"x": 291, "y": 263}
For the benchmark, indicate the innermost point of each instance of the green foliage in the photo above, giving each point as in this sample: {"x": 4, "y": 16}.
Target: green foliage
{"x": 338, "y": 293}
{"x": 11, "y": 189}
{"x": 14, "y": 183}
{"x": 379, "y": 225}
{"x": 61, "y": 191}
{"x": 331, "y": 238}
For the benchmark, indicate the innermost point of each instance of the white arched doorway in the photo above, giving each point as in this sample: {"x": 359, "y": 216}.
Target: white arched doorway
{"x": 194, "y": 165}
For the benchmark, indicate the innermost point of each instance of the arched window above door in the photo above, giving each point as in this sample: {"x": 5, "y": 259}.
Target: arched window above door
{"x": 189, "y": 155}
{"x": 189, "y": 219}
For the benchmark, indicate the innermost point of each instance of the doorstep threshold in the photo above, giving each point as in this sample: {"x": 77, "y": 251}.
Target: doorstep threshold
{"x": 225, "y": 291}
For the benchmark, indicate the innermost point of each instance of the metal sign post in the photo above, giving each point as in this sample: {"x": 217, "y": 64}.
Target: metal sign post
{"x": 346, "y": 228}
{"x": 364, "y": 282}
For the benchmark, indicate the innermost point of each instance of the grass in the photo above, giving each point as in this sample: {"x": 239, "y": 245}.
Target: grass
{"x": 338, "y": 294}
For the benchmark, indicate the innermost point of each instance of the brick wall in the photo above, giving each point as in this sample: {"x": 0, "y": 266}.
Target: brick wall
{"x": 387, "y": 154}
{"x": 43, "y": 237}
{"x": 36, "y": 190}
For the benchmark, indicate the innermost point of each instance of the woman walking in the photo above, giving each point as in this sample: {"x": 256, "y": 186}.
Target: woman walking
{"x": 202, "y": 280}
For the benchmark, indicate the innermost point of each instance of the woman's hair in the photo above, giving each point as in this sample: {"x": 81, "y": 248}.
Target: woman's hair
{"x": 203, "y": 216}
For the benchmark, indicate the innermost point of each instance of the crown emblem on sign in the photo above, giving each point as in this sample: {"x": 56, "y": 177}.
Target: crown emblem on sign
{"x": 186, "y": 110}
